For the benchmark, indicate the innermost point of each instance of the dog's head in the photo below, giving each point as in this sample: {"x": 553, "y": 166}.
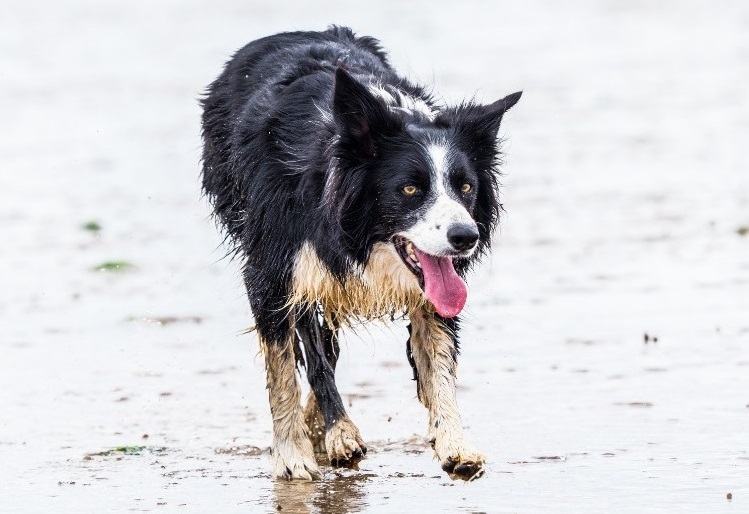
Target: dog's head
{"x": 420, "y": 179}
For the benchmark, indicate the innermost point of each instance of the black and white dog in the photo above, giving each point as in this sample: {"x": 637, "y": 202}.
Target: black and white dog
{"x": 350, "y": 194}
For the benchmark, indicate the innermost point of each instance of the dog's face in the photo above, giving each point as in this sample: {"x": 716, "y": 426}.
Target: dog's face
{"x": 420, "y": 180}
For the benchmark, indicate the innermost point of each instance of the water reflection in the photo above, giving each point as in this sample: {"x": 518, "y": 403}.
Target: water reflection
{"x": 336, "y": 493}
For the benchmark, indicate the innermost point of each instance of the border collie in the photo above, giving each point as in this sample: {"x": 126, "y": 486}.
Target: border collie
{"x": 350, "y": 194}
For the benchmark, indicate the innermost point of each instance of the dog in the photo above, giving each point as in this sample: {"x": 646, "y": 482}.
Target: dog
{"x": 350, "y": 194}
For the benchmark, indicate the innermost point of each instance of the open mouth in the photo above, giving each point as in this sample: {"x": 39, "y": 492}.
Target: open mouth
{"x": 405, "y": 249}
{"x": 437, "y": 277}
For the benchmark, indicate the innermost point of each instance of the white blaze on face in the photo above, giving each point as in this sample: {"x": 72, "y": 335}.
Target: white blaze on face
{"x": 430, "y": 233}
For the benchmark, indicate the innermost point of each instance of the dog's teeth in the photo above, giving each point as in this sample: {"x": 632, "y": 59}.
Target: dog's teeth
{"x": 410, "y": 252}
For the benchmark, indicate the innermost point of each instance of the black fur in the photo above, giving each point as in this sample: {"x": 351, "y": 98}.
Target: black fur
{"x": 267, "y": 152}
{"x": 321, "y": 352}
{"x": 291, "y": 118}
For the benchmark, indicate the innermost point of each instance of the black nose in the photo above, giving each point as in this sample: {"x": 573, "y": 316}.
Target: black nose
{"x": 462, "y": 237}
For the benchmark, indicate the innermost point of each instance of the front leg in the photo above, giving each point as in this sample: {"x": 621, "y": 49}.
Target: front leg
{"x": 432, "y": 351}
{"x": 293, "y": 457}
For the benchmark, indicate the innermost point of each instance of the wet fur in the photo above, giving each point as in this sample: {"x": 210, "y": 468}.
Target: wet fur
{"x": 300, "y": 130}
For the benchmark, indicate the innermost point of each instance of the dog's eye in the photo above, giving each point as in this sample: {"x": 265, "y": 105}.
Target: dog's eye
{"x": 466, "y": 188}
{"x": 410, "y": 190}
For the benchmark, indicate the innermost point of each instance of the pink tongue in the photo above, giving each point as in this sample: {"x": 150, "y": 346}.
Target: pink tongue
{"x": 442, "y": 285}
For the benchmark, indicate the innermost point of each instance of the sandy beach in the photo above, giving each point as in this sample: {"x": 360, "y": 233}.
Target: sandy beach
{"x": 605, "y": 355}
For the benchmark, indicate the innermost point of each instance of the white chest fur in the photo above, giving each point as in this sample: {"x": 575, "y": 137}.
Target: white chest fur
{"x": 384, "y": 287}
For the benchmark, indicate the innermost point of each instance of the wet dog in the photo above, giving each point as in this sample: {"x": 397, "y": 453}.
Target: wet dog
{"x": 350, "y": 194}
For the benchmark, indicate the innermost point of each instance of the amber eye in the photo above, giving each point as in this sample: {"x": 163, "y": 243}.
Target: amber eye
{"x": 410, "y": 190}
{"x": 466, "y": 188}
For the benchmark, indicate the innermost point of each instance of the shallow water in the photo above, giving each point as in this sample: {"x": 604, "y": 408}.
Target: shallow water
{"x": 626, "y": 191}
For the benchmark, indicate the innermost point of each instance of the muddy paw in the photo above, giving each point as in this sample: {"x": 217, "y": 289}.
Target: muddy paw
{"x": 344, "y": 444}
{"x": 468, "y": 466}
{"x": 292, "y": 461}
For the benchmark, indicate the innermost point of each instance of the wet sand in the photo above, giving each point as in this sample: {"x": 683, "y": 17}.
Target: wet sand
{"x": 605, "y": 362}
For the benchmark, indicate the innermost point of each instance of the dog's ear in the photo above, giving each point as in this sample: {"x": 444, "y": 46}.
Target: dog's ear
{"x": 479, "y": 119}
{"x": 358, "y": 114}
{"x": 490, "y": 120}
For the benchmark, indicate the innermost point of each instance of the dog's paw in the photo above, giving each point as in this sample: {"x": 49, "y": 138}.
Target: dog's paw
{"x": 464, "y": 468}
{"x": 295, "y": 461}
{"x": 464, "y": 463}
{"x": 344, "y": 444}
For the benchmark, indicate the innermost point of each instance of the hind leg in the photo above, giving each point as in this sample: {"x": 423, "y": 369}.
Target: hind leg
{"x": 312, "y": 415}
{"x": 432, "y": 352}
{"x": 343, "y": 442}
{"x": 315, "y": 425}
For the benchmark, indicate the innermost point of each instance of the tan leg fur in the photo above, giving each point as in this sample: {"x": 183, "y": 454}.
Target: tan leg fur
{"x": 293, "y": 455}
{"x": 344, "y": 444}
{"x": 431, "y": 347}
{"x": 315, "y": 424}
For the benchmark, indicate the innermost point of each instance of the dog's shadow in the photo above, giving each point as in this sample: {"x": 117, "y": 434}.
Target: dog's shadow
{"x": 336, "y": 493}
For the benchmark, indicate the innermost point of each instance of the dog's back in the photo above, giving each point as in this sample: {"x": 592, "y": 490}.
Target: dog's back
{"x": 266, "y": 102}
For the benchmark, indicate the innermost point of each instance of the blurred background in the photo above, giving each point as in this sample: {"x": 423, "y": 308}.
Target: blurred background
{"x": 604, "y": 366}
